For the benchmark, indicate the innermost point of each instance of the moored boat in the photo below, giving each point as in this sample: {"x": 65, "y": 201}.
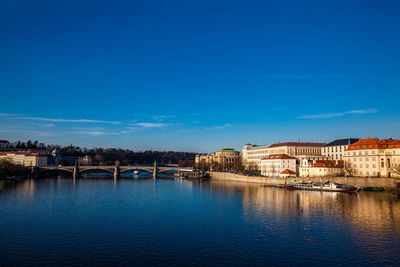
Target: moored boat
{"x": 328, "y": 186}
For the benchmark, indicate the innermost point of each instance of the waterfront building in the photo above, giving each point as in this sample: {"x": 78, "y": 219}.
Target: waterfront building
{"x": 335, "y": 150}
{"x": 223, "y": 157}
{"x": 297, "y": 149}
{"x": 279, "y": 165}
{"x": 35, "y": 159}
{"x": 373, "y": 157}
{"x": 320, "y": 168}
{"x": 252, "y": 155}
{"x": 4, "y": 145}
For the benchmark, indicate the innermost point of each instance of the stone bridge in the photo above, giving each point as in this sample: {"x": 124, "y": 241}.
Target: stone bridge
{"x": 116, "y": 170}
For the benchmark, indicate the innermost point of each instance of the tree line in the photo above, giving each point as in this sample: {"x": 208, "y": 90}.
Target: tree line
{"x": 109, "y": 156}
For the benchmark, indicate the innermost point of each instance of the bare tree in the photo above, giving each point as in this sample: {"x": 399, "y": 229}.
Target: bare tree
{"x": 348, "y": 169}
{"x": 396, "y": 168}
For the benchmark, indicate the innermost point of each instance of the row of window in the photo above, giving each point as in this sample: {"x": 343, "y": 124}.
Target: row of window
{"x": 366, "y": 166}
{"x": 334, "y": 149}
{"x": 366, "y": 159}
{"x": 366, "y": 173}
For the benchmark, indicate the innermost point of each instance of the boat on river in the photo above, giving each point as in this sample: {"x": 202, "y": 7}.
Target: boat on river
{"x": 328, "y": 186}
{"x": 192, "y": 174}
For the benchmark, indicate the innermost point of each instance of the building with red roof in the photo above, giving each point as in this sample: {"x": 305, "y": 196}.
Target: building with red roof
{"x": 279, "y": 165}
{"x": 372, "y": 157}
{"x": 321, "y": 168}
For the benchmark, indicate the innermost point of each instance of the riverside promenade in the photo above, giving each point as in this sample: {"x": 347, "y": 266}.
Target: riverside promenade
{"x": 387, "y": 183}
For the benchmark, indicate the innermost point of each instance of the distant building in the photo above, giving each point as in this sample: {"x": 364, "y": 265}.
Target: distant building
{"x": 226, "y": 156}
{"x": 320, "y": 168}
{"x": 4, "y": 145}
{"x": 336, "y": 149}
{"x": 252, "y": 154}
{"x": 35, "y": 159}
{"x": 373, "y": 157}
{"x": 279, "y": 165}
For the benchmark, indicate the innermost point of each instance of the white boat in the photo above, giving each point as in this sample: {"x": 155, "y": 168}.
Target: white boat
{"x": 136, "y": 172}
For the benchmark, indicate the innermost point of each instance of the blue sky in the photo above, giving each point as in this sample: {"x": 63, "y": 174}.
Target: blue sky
{"x": 198, "y": 75}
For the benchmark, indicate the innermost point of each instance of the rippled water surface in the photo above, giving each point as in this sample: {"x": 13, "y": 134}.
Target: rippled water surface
{"x": 169, "y": 222}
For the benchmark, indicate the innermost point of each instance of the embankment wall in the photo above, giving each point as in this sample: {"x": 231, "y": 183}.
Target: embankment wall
{"x": 353, "y": 181}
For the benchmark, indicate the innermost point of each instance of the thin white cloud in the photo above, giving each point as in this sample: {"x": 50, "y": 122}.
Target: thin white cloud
{"x": 68, "y": 120}
{"x": 150, "y": 124}
{"x": 162, "y": 117}
{"x": 220, "y": 127}
{"x": 339, "y": 114}
{"x": 7, "y": 114}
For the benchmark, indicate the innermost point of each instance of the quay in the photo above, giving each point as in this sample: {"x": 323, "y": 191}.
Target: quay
{"x": 387, "y": 183}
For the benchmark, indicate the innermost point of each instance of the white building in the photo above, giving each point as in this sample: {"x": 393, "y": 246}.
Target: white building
{"x": 252, "y": 155}
{"x": 35, "y": 159}
{"x": 335, "y": 150}
{"x": 373, "y": 157}
{"x": 279, "y": 165}
{"x": 320, "y": 168}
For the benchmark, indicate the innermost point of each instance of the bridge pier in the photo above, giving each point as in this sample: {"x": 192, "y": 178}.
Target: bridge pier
{"x": 116, "y": 172}
{"x": 75, "y": 174}
{"x": 155, "y": 171}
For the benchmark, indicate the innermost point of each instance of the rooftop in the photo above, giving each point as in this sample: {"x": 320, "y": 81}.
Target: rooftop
{"x": 371, "y": 143}
{"x": 343, "y": 142}
{"x": 278, "y": 156}
{"x": 298, "y": 144}
{"x": 287, "y": 171}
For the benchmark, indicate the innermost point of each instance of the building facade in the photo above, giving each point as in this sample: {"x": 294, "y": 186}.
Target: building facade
{"x": 320, "y": 168}
{"x": 335, "y": 150}
{"x": 224, "y": 158}
{"x": 278, "y": 165}
{"x": 296, "y": 149}
{"x": 35, "y": 159}
{"x": 371, "y": 157}
{"x": 252, "y": 155}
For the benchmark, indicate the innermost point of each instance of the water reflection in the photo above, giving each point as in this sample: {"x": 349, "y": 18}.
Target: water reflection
{"x": 230, "y": 222}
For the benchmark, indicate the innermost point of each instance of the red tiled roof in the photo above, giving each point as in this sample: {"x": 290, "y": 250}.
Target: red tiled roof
{"x": 327, "y": 163}
{"x": 278, "y": 156}
{"x": 3, "y": 153}
{"x": 371, "y": 143}
{"x": 298, "y": 144}
{"x": 287, "y": 171}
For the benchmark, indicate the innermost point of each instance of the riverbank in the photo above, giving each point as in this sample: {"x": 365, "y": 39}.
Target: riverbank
{"x": 387, "y": 183}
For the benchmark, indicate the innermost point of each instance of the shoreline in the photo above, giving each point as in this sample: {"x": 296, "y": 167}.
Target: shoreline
{"x": 387, "y": 183}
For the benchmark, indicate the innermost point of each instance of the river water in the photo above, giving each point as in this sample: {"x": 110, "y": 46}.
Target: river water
{"x": 100, "y": 221}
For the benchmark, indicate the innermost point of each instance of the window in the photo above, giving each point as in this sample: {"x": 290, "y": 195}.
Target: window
{"x": 366, "y": 152}
{"x": 360, "y": 165}
{"x": 359, "y": 159}
{"x": 361, "y": 173}
{"x": 373, "y": 152}
{"x": 354, "y": 153}
{"x": 394, "y": 152}
{"x": 373, "y": 159}
{"x": 355, "y": 165}
{"x": 366, "y": 159}
{"x": 359, "y": 153}
{"x": 374, "y": 173}
{"x": 367, "y": 172}
{"x": 366, "y": 165}
{"x": 373, "y": 165}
